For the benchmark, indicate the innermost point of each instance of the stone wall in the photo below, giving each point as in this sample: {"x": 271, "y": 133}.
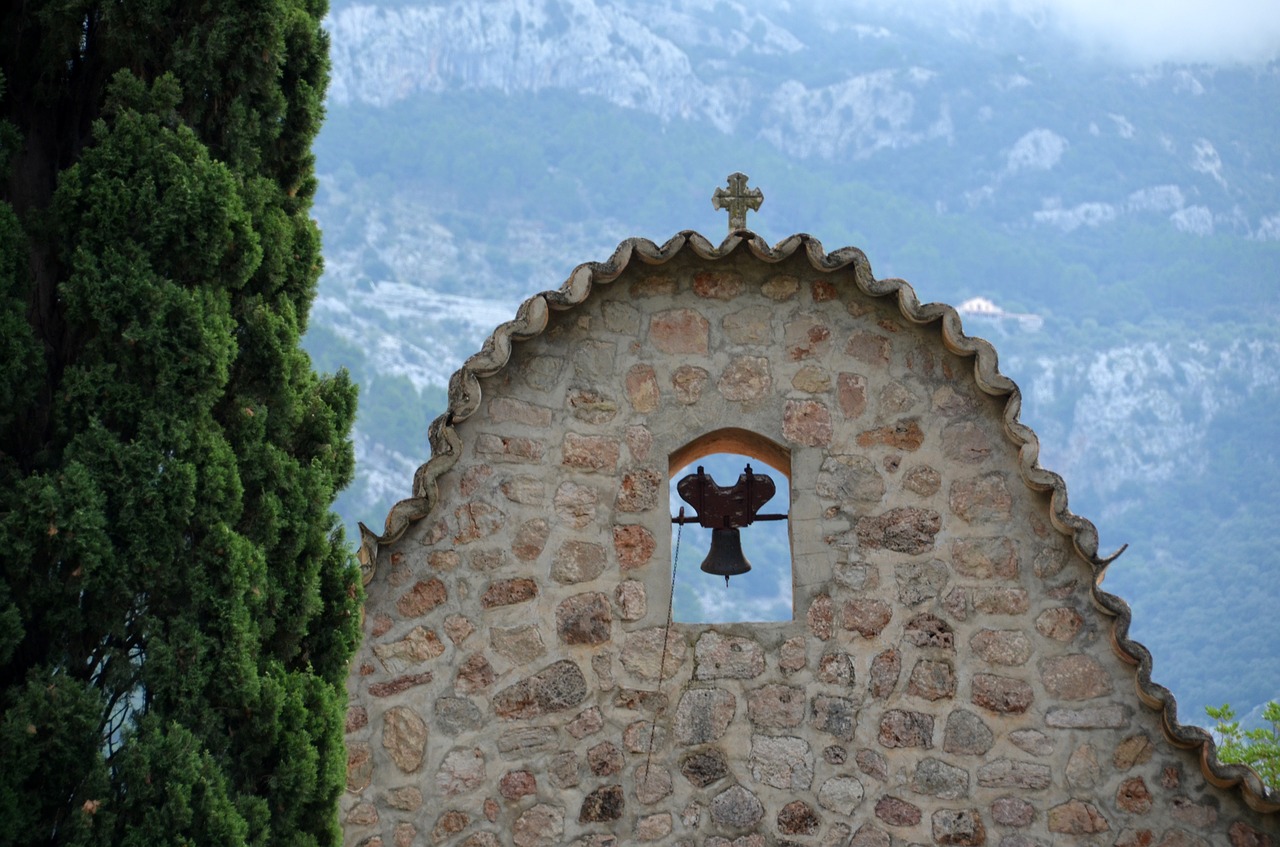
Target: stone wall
{"x": 945, "y": 679}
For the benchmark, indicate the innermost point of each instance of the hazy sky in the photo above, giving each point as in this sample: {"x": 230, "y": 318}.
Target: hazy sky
{"x": 1177, "y": 30}
{"x": 1142, "y": 31}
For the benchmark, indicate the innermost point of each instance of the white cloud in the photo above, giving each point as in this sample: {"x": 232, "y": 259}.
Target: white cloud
{"x": 1150, "y": 31}
{"x": 1144, "y": 32}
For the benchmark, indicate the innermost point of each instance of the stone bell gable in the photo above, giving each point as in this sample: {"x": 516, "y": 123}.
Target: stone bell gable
{"x": 952, "y": 675}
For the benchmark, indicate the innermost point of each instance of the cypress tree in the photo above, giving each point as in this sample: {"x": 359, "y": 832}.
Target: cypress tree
{"x": 177, "y": 602}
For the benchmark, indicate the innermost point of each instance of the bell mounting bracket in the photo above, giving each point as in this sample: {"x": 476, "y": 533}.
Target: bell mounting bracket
{"x": 726, "y": 507}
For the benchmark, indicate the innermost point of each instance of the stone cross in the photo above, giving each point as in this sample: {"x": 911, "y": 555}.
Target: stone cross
{"x": 737, "y": 200}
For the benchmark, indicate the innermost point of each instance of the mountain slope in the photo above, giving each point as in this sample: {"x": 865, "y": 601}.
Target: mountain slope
{"x": 475, "y": 152}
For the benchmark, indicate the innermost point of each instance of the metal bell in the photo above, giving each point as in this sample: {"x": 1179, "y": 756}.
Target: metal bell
{"x": 725, "y": 557}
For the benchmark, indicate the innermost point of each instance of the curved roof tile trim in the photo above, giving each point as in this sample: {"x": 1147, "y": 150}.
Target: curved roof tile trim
{"x": 532, "y": 317}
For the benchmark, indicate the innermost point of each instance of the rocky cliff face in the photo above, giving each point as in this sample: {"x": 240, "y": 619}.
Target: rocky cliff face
{"x": 698, "y": 61}
{"x": 819, "y": 86}
{"x": 382, "y": 55}
{"x": 991, "y": 127}
{"x": 1139, "y": 413}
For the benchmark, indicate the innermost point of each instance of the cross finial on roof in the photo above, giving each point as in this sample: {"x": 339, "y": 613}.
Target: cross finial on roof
{"x": 737, "y": 200}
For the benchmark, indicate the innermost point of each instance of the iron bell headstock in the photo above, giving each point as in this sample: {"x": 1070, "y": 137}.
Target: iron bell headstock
{"x": 725, "y": 510}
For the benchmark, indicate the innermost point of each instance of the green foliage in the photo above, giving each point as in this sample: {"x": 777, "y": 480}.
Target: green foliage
{"x": 177, "y": 602}
{"x": 1258, "y": 748}
{"x": 50, "y": 748}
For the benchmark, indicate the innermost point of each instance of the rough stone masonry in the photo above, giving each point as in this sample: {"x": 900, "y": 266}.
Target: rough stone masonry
{"x": 947, "y": 678}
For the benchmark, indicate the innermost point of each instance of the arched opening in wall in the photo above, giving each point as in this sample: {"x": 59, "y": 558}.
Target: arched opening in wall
{"x": 765, "y": 593}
